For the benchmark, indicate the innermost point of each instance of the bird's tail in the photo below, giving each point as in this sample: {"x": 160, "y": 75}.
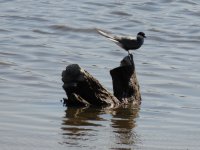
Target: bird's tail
{"x": 110, "y": 37}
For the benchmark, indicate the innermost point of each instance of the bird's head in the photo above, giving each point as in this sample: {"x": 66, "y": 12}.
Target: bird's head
{"x": 141, "y": 34}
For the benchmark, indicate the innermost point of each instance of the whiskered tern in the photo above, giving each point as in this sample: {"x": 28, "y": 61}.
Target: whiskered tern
{"x": 125, "y": 42}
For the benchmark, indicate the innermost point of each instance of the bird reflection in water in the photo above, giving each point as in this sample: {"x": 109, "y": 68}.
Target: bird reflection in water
{"x": 100, "y": 128}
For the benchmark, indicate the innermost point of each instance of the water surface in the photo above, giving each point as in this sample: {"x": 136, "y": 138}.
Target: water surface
{"x": 40, "y": 38}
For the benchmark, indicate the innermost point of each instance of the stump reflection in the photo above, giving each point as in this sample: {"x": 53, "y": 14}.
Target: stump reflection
{"x": 111, "y": 128}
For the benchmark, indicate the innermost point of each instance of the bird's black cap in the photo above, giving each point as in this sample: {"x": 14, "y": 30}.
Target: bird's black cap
{"x": 142, "y": 34}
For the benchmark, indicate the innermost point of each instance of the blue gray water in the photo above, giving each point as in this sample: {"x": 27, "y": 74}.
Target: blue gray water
{"x": 38, "y": 39}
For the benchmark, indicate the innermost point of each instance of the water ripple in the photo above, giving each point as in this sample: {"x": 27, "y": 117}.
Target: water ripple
{"x": 24, "y": 18}
{"x": 72, "y": 29}
{"x": 120, "y": 13}
{"x": 43, "y": 32}
{"x": 39, "y": 39}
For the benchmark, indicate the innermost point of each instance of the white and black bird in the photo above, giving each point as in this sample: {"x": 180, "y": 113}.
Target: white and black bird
{"x": 125, "y": 42}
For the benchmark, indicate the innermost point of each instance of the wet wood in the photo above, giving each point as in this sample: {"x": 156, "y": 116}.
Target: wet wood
{"x": 82, "y": 89}
{"x": 125, "y": 84}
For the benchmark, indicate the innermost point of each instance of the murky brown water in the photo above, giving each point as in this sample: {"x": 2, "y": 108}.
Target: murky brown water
{"x": 38, "y": 39}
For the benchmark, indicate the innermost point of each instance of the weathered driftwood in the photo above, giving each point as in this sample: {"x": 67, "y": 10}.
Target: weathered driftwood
{"x": 125, "y": 84}
{"x": 82, "y": 89}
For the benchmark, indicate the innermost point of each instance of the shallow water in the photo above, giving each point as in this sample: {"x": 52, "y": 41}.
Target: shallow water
{"x": 40, "y": 38}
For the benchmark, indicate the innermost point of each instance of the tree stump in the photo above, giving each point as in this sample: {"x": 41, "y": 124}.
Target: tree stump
{"x": 82, "y": 89}
{"x": 125, "y": 84}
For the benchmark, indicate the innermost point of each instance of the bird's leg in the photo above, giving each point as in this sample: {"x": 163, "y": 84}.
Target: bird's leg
{"x": 129, "y": 53}
{"x": 130, "y": 57}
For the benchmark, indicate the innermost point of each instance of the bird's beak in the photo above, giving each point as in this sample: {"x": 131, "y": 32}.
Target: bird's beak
{"x": 145, "y": 36}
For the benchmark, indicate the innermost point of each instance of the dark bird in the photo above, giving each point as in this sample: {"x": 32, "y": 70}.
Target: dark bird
{"x": 126, "y": 42}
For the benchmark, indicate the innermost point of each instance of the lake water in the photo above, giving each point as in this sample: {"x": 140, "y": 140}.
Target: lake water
{"x": 38, "y": 39}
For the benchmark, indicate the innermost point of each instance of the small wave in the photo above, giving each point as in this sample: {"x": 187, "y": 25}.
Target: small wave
{"x": 167, "y": 1}
{"x": 160, "y": 30}
{"x": 17, "y": 17}
{"x": 35, "y": 45}
{"x": 5, "y": 53}
{"x": 72, "y": 29}
{"x": 6, "y": 63}
{"x": 42, "y": 32}
{"x": 3, "y": 30}
{"x": 26, "y": 37}
{"x": 99, "y": 4}
{"x": 120, "y": 13}
{"x": 188, "y": 2}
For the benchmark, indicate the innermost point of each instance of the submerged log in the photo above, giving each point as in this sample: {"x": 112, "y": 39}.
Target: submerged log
{"x": 82, "y": 89}
{"x": 125, "y": 84}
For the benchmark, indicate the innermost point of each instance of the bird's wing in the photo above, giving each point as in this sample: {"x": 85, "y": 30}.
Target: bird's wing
{"x": 109, "y": 36}
{"x": 129, "y": 38}
{"x": 129, "y": 43}
{"x": 126, "y": 42}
